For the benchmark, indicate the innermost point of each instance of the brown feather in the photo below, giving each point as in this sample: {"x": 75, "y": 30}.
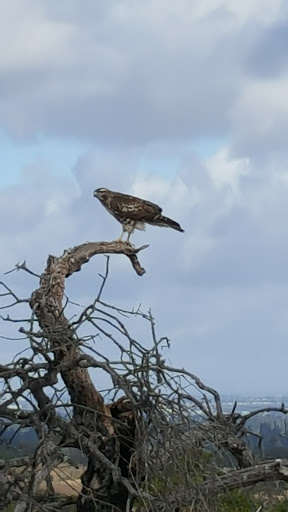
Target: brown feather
{"x": 130, "y": 210}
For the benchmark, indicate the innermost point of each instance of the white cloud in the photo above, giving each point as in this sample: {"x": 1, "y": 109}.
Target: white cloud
{"x": 122, "y": 71}
{"x": 174, "y": 193}
{"x": 29, "y": 39}
{"x": 225, "y": 170}
{"x": 263, "y": 11}
{"x": 161, "y": 13}
{"x": 260, "y": 114}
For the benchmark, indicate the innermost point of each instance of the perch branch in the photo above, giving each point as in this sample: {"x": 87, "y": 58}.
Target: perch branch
{"x": 77, "y": 256}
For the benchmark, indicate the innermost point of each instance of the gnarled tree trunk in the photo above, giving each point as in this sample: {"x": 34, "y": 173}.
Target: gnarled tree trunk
{"x": 108, "y": 444}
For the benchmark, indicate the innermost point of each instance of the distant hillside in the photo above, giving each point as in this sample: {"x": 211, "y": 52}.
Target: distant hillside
{"x": 272, "y": 427}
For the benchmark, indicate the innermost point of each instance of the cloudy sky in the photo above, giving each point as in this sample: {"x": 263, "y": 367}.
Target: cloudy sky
{"x": 183, "y": 103}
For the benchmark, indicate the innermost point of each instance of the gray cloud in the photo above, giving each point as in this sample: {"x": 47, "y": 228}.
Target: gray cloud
{"x": 269, "y": 57}
{"x": 137, "y": 85}
{"x": 219, "y": 291}
{"x": 114, "y": 74}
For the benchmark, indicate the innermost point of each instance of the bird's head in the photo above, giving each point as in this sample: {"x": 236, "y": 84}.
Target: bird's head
{"x": 100, "y": 193}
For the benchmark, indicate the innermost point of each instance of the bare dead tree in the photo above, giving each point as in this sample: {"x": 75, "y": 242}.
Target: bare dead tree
{"x": 145, "y": 437}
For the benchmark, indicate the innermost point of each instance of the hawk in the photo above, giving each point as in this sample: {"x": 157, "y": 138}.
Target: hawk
{"x": 133, "y": 212}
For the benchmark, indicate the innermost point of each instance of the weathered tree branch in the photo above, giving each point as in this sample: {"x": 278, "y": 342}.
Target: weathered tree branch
{"x": 73, "y": 259}
{"x": 266, "y": 471}
{"x": 157, "y": 429}
{"x": 91, "y": 414}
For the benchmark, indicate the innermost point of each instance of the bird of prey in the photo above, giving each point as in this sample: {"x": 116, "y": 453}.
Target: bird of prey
{"x": 133, "y": 212}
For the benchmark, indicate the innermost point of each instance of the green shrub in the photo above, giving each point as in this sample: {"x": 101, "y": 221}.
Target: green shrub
{"x": 236, "y": 501}
{"x": 280, "y": 507}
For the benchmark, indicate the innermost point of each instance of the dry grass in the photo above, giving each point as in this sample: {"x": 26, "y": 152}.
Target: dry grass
{"x": 66, "y": 480}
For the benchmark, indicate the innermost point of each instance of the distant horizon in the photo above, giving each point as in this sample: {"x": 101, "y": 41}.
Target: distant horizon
{"x": 238, "y": 396}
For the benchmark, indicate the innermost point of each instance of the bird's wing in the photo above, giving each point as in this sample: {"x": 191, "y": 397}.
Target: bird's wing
{"x": 134, "y": 208}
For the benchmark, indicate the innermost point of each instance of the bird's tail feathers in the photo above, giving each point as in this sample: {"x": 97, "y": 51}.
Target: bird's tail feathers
{"x": 168, "y": 223}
